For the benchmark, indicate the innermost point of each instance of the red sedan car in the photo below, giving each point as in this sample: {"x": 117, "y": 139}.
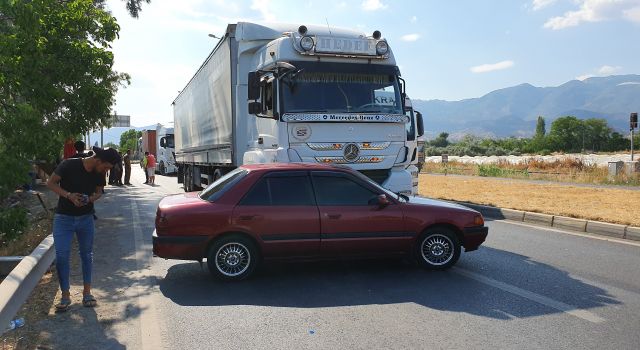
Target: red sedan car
{"x": 310, "y": 212}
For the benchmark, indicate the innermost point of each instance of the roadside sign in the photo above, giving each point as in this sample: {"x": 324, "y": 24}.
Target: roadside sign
{"x": 445, "y": 158}
{"x": 121, "y": 121}
{"x": 633, "y": 120}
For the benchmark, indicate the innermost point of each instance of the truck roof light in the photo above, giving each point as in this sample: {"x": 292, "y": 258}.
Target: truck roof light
{"x": 302, "y": 30}
{"x": 377, "y": 35}
{"x": 306, "y": 43}
{"x": 382, "y": 47}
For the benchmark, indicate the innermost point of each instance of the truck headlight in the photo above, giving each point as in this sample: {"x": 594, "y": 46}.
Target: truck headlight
{"x": 382, "y": 47}
{"x": 306, "y": 43}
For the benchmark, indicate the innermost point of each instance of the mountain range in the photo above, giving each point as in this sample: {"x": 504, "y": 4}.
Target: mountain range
{"x": 513, "y": 111}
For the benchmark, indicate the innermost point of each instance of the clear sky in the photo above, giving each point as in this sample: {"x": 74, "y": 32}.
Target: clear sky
{"x": 448, "y": 50}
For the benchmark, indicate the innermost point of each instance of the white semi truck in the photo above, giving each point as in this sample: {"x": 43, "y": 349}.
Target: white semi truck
{"x": 165, "y": 158}
{"x": 294, "y": 93}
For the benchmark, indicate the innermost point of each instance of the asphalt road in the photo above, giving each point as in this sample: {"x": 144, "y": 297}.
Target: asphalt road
{"x": 526, "y": 288}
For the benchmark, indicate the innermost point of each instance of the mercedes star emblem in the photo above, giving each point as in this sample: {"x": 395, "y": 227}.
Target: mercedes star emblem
{"x": 351, "y": 152}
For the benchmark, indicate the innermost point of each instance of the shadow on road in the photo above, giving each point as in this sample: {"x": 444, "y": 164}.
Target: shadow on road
{"x": 336, "y": 284}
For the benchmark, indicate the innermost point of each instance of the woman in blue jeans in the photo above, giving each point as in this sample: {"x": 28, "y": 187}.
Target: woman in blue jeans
{"x": 79, "y": 184}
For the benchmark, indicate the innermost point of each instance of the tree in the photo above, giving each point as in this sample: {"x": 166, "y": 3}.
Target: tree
{"x": 129, "y": 140}
{"x": 540, "y": 127}
{"x": 566, "y": 134}
{"x": 441, "y": 140}
{"x": 56, "y": 78}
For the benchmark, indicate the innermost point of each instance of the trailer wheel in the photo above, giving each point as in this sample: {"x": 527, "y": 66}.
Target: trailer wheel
{"x": 217, "y": 174}
{"x": 188, "y": 178}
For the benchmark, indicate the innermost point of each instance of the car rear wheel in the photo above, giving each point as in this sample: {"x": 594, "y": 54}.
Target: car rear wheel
{"x": 437, "y": 249}
{"x": 232, "y": 258}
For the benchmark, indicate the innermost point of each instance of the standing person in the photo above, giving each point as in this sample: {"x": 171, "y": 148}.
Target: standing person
{"x": 143, "y": 164}
{"x": 79, "y": 183}
{"x": 151, "y": 168}
{"x": 127, "y": 167}
{"x": 79, "y": 146}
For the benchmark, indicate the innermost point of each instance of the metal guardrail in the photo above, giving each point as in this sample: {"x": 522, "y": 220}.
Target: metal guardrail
{"x": 18, "y": 285}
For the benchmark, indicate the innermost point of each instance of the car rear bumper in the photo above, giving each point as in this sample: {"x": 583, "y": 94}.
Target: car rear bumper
{"x": 474, "y": 237}
{"x": 179, "y": 247}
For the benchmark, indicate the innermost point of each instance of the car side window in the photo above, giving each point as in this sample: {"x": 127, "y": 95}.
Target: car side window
{"x": 337, "y": 190}
{"x": 280, "y": 191}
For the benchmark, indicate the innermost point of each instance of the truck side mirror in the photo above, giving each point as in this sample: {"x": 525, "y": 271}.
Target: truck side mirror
{"x": 163, "y": 142}
{"x": 253, "y": 86}
{"x": 420, "y": 123}
{"x": 255, "y": 108}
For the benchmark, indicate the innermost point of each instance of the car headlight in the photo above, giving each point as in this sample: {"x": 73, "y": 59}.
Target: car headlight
{"x": 306, "y": 43}
{"x": 382, "y": 47}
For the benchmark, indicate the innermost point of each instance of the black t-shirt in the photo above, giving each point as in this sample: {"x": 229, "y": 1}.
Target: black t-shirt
{"x": 76, "y": 179}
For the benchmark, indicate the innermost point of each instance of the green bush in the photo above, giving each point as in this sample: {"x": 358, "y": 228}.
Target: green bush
{"x": 13, "y": 222}
{"x": 492, "y": 170}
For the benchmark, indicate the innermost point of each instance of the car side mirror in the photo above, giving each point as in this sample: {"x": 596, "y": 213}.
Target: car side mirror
{"x": 255, "y": 108}
{"x": 253, "y": 86}
{"x": 383, "y": 201}
{"x": 420, "y": 123}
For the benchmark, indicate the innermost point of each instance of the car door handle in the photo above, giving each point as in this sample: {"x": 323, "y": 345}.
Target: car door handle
{"x": 333, "y": 216}
{"x": 250, "y": 217}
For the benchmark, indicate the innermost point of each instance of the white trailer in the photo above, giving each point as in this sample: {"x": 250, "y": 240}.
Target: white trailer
{"x": 290, "y": 93}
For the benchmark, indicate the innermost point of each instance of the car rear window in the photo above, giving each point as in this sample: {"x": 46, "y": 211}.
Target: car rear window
{"x": 218, "y": 188}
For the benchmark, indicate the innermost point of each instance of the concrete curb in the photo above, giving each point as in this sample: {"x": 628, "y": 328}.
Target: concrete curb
{"x": 561, "y": 222}
{"x": 17, "y": 286}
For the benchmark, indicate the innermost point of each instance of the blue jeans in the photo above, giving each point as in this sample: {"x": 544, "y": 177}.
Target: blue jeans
{"x": 64, "y": 226}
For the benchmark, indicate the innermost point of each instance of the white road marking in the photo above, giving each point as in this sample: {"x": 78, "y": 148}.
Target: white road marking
{"x": 554, "y": 304}
{"x": 579, "y": 234}
{"x": 149, "y": 328}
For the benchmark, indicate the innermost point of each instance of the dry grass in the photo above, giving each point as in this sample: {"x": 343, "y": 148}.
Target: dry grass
{"x": 601, "y": 204}
{"x": 566, "y": 170}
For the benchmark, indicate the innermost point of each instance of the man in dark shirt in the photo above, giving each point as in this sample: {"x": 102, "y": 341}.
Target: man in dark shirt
{"x": 127, "y": 167}
{"x": 79, "y": 184}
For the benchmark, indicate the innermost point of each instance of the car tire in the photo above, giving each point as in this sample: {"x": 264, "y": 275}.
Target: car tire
{"x": 232, "y": 258}
{"x": 437, "y": 248}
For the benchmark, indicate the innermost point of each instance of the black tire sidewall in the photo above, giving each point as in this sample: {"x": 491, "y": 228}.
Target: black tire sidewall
{"x": 440, "y": 231}
{"x": 253, "y": 260}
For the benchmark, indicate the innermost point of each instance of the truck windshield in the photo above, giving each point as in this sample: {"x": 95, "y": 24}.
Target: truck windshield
{"x": 349, "y": 88}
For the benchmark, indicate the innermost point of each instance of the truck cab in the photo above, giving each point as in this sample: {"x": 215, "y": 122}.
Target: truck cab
{"x": 333, "y": 97}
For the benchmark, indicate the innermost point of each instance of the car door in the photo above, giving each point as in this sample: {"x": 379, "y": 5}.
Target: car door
{"x": 280, "y": 209}
{"x": 353, "y": 223}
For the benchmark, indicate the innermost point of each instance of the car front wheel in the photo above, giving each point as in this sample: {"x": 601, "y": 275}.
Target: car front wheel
{"x": 232, "y": 258}
{"x": 437, "y": 249}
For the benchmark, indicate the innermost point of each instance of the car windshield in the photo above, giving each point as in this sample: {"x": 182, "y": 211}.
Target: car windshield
{"x": 218, "y": 188}
{"x": 321, "y": 89}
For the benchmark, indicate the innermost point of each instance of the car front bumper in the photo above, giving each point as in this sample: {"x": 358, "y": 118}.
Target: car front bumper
{"x": 474, "y": 237}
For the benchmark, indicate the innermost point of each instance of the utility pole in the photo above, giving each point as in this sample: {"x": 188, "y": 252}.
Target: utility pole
{"x": 633, "y": 123}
